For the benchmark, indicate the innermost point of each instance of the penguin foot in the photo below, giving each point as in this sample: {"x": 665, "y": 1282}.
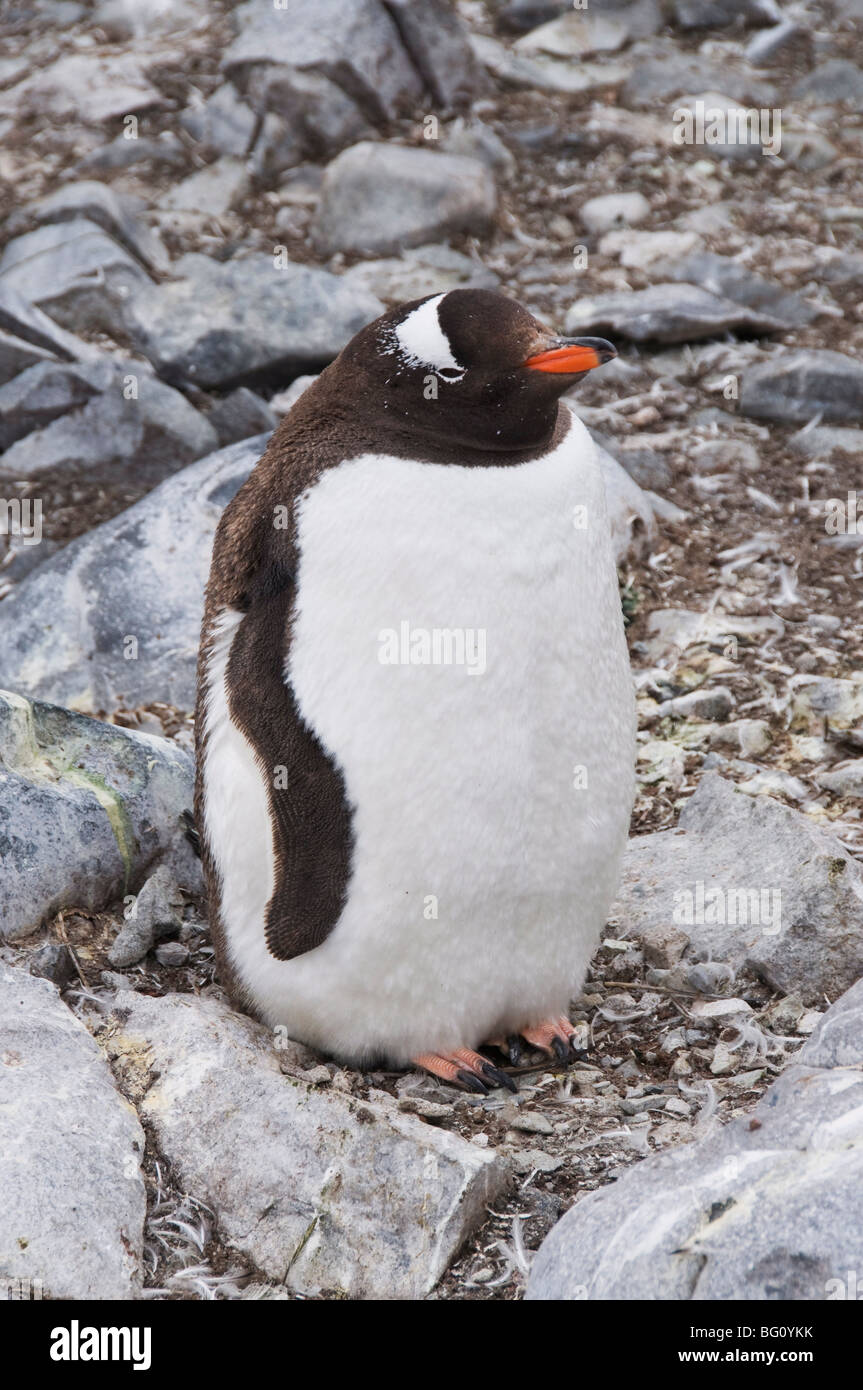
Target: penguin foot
{"x": 556, "y": 1036}
{"x": 466, "y": 1069}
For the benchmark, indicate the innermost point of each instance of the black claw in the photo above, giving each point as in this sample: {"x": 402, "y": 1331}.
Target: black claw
{"x": 498, "y": 1077}
{"x": 561, "y": 1049}
{"x": 472, "y": 1083}
{"x": 579, "y": 1053}
{"x": 514, "y": 1049}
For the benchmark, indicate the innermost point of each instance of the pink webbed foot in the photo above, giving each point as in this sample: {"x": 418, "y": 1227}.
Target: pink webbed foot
{"x": 466, "y": 1069}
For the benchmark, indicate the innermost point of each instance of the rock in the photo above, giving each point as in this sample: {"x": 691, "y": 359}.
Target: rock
{"x": 663, "y": 946}
{"x": 517, "y": 16}
{"x": 76, "y": 273}
{"x": 74, "y": 1202}
{"x": 239, "y": 415}
{"x": 535, "y": 1161}
{"x": 90, "y": 201}
{"x": 379, "y": 198}
{"x": 647, "y": 467}
{"x": 292, "y": 1171}
{"x": 796, "y": 385}
{"x": 667, "y": 313}
{"x": 768, "y": 1207}
{"x": 308, "y": 116}
{"x": 728, "y": 278}
{"x": 676, "y": 630}
{"x": 836, "y": 80}
{"x": 16, "y": 356}
{"x": 223, "y": 123}
{"x": 659, "y": 79}
{"x": 54, "y": 962}
{"x": 800, "y": 893}
{"x": 155, "y": 912}
{"x": 578, "y": 34}
{"x": 786, "y": 42}
{"x": 638, "y": 250}
{"x": 748, "y": 738}
{"x": 543, "y": 73}
{"x": 808, "y": 149}
{"x": 425, "y": 270}
{"x": 356, "y": 43}
{"x": 127, "y": 19}
{"x": 820, "y": 703}
{"x": 22, "y": 322}
{"x": 83, "y": 87}
{"x": 113, "y": 433}
{"x": 167, "y": 151}
{"x": 722, "y": 455}
{"x": 280, "y": 146}
{"x": 614, "y": 210}
{"x": 844, "y": 779}
{"x": 438, "y": 45}
{"x": 479, "y": 141}
{"x": 715, "y": 702}
{"x": 172, "y": 954}
{"x": 630, "y": 513}
{"x": 42, "y": 393}
{"x": 235, "y": 322}
{"x": 86, "y": 809}
{"x": 716, "y": 14}
{"x": 211, "y": 191}
{"x": 141, "y": 575}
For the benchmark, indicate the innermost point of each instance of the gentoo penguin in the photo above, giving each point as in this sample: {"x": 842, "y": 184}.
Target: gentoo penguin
{"x": 415, "y": 723}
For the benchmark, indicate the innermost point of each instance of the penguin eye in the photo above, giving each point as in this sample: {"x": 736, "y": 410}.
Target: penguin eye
{"x": 450, "y": 373}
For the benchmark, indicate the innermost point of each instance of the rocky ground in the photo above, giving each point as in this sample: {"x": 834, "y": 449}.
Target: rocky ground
{"x": 198, "y": 213}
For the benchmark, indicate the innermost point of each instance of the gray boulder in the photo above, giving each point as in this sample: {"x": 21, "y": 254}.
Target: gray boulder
{"x": 754, "y": 884}
{"x": 224, "y": 123}
{"x": 72, "y": 1215}
{"x": 117, "y": 214}
{"x": 355, "y": 43}
{"x": 717, "y": 14}
{"x": 78, "y": 274}
{"x": 836, "y": 80}
{"x": 795, "y": 386}
{"x": 63, "y": 630}
{"x": 322, "y": 1191}
{"x": 241, "y": 415}
{"x": 436, "y": 40}
{"x": 770, "y": 1207}
{"x": 85, "y": 87}
{"x": 667, "y": 313}
{"x": 23, "y": 322}
{"x": 41, "y": 394}
{"x": 115, "y": 435}
{"x": 378, "y": 198}
{"x": 17, "y": 355}
{"x": 723, "y": 276}
{"x": 230, "y": 323}
{"x": 86, "y": 809}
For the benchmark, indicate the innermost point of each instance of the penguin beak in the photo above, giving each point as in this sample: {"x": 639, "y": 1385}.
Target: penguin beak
{"x": 572, "y": 355}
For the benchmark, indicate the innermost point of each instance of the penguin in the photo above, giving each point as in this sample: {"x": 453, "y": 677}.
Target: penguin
{"x": 415, "y": 721}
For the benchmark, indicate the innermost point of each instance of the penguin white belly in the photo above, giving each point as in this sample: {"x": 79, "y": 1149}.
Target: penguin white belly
{"x": 457, "y": 648}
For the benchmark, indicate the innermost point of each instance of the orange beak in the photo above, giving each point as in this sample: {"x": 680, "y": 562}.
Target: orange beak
{"x": 572, "y": 356}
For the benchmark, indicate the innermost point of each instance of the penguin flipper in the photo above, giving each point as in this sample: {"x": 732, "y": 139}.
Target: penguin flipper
{"x": 312, "y": 837}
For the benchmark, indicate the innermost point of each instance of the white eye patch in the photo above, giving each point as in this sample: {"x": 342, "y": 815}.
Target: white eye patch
{"x": 423, "y": 343}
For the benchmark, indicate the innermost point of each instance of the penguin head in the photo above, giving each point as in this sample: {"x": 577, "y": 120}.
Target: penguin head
{"x": 471, "y": 368}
